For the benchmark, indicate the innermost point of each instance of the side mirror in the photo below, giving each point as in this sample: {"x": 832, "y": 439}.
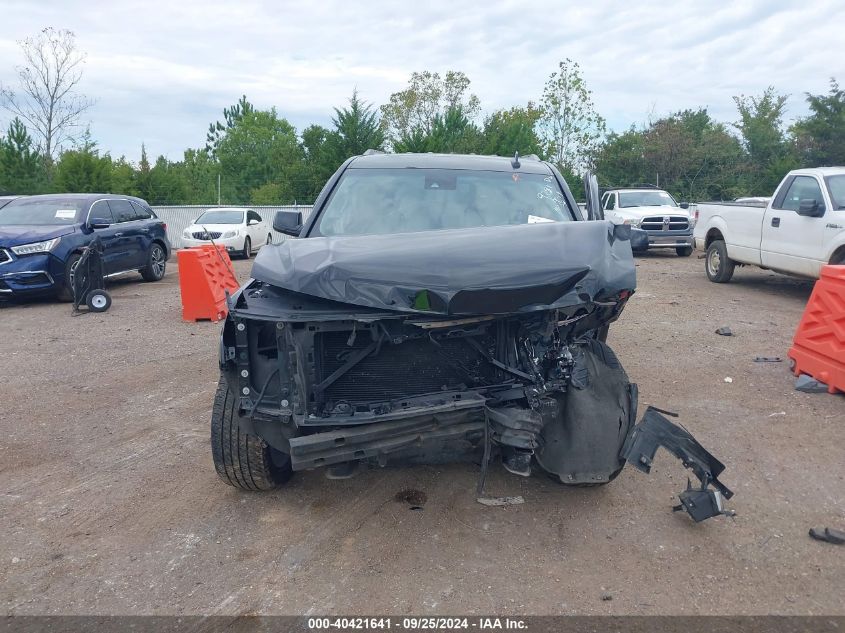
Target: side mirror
{"x": 288, "y": 222}
{"x": 99, "y": 223}
{"x": 810, "y": 208}
{"x": 252, "y": 222}
{"x": 684, "y": 205}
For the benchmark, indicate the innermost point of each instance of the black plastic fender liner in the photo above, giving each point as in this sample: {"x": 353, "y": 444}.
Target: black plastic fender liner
{"x": 653, "y": 431}
{"x": 581, "y": 444}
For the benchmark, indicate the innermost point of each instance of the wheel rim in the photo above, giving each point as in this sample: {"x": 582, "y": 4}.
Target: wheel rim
{"x": 157, "y": 261}
{"x": 714, "y": 261}
{"x": 98, "y": 301}
{"x": 71, "y": 275}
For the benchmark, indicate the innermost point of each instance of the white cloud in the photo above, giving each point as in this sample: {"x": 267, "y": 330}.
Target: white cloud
{"x": 161, "y": 71}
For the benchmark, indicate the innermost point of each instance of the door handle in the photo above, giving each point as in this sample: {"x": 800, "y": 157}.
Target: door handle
{"x": 118, "y": 234}
{"x": 776, "y": 222}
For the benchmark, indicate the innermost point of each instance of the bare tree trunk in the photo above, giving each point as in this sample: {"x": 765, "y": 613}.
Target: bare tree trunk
{"x": 47, "y": 100}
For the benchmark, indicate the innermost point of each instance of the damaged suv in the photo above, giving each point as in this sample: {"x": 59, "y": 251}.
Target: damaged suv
{"x": 438, "y": 308}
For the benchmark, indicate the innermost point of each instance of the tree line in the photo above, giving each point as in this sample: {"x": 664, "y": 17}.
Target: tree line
{"x": 255, "y": 156}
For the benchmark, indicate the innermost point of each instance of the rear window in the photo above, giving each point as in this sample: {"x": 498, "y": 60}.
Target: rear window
{"x": 141, "y": 212}
{"x": 384, "y": 201}
{"x": 42, "y": 212}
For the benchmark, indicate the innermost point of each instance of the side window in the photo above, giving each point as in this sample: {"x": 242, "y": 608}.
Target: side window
{"x": 122, "y": 210}
{"x": 140, "y": 212}
{"x": 802, "y": 188}
{"x": 611, "y": 202}
{"x": 100, "y": 213}
{"x": 252, "y": 215}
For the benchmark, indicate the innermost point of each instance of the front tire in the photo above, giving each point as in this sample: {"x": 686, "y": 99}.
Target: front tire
{"x": 684, "y": 251}
{"x": 65, "y": 292}
{"x": 241, "y": 459}
{"x": 156, "y": 263}
{"x": 247, "y": 251}
{"x": 717, "y": 264}
{"x": 269, "y": 239}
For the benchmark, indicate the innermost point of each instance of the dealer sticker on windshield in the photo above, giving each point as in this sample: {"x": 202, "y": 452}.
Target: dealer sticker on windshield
{"x": 66, "y": 214}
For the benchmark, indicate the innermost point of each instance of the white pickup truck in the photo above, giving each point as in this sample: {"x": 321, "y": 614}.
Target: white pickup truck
{"x": 798, "y": 231}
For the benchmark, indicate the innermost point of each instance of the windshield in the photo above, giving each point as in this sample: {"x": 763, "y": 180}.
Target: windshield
{"x": 42, "y": 212}
{"x": 646, "y": 199}
{"x": 384, "y": 201}
{"x": 836, "y": 185}
{"x": 221, "y": 217}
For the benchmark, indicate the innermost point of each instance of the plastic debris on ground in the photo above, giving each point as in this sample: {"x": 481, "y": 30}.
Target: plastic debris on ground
{"x": 501, "y": 501}
{"x": 808, "y": 384}
{"x": 829, "y": 535}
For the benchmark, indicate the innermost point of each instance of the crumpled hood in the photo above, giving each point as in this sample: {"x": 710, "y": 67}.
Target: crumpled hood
{"x": 489, "y": 270}
{"x": 16, "y": 235}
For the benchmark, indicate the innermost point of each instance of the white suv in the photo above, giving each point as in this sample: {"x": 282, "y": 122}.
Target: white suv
{"x": 655, "y": 211}
{"x": 241, "y": 231}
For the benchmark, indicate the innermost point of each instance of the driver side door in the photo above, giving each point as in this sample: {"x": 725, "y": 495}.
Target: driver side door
{"x": 792, "y": 242}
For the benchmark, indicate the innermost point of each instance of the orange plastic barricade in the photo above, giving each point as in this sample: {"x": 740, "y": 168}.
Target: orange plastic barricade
{"x": 818, "y": 348}
{"x": 205, "y": 273}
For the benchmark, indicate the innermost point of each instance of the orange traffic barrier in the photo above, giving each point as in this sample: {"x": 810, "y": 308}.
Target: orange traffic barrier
{"x": 205, "y": 274}
{"x": 818, "y": 348}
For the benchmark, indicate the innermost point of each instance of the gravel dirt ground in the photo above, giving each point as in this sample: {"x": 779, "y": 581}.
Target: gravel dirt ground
{"x": 109, "y": 503}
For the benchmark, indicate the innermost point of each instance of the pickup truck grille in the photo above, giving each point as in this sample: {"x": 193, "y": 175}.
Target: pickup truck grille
{"x": 411, "y": 368}
{"x": 211, "y": 235}
{"x": 665, "y": 223}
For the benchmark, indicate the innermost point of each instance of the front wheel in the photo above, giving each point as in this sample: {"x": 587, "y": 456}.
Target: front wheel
{"x": 269, "y": 239}
{"x": 65, "y": 291}
{"x": 247, "y": 251}
{"x": 717, "y": 264}
{"x": 156, "y": 263}
{"x": 684, "y": 251}
{"x": 241, "y": 459}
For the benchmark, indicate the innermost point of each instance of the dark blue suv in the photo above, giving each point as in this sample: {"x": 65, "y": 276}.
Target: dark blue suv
{"x": 42, "y": 237}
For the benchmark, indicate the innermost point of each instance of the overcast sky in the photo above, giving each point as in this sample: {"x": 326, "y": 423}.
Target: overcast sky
{"x": 161, "y": 71}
